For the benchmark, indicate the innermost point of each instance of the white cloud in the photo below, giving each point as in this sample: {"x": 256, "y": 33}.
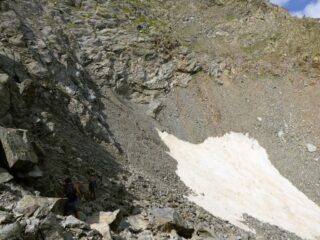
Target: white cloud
{"x": 279, "y": 2}
{"x": 312, "y": 10}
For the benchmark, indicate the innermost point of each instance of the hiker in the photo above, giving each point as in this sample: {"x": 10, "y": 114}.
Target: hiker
{"x": 79, "y": 189}
{"x": 92, "y": 187}
{"x": 72, "y": 193}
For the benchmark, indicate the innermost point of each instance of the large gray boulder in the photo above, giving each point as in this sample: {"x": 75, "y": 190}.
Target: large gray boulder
{"x": 135, "y": 223}
{"x": 72, "y": 222}
{"x": 38, "y": 206}
{"x": 167, "y": 219}
{"x": 51, "y": 228}
{"x": 17, "y": 149}
{"x": 101, "y": 222}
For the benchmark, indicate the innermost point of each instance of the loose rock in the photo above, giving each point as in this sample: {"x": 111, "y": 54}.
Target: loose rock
{"x": 311, "y": 148}
{"x": 5, "y": 176}
{"x": 72, "y": 222}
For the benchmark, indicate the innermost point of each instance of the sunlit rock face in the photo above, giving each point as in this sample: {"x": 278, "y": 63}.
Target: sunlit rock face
{"x": 232, "y": 175}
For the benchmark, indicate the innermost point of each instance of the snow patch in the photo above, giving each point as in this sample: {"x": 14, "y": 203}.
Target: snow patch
{"x": 232, "y": 175}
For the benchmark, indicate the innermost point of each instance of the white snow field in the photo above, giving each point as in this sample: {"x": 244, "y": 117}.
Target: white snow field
{"x": 232, "y": 175}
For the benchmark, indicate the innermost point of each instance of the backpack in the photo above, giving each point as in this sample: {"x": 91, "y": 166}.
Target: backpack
{"x": 70, "y": 192}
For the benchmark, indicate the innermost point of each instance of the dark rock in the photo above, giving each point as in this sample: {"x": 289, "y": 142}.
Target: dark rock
{"x": 6, "y": 120}
{"x": 4, "y": 94}
{"x": 51, "y": 229}
{"x": 35, "y": 172}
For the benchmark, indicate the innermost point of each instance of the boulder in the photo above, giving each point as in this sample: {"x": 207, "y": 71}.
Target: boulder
{"x": 38, "y": 206}
{"x": 72, "y": 222}
{"x": 135, "y": 223}
{"x": 10, "y": 231}
{"x": 5, "y": 176}
{"x": 52, "y": 230}
{"x": 103, "y": 229}
{"x": 167, "y": 219}
{"x": 103, "y": 217}
{"x": 17, "y": 149}
{"x": 100, "y": 222}
{"x": 311, "y": 147}
{"x": 162, "y": 216}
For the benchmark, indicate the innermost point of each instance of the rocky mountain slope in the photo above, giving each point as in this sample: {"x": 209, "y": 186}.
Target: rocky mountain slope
{"x": 85, "y": 83}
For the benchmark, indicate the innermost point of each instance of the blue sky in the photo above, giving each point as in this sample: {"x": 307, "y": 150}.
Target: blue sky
{"x": 300, "y": 8}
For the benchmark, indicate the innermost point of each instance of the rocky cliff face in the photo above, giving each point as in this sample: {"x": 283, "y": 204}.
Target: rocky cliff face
{"x": 85, "y": 83}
